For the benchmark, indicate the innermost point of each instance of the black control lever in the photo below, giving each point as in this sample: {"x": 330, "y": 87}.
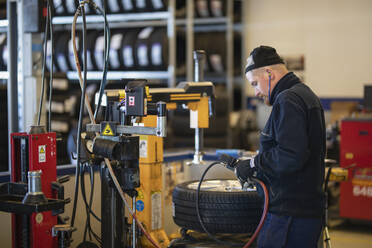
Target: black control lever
{"x": 63, "y": 179}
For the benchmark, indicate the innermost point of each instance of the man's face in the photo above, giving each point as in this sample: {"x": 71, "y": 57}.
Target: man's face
{"x": 260, "y": 84}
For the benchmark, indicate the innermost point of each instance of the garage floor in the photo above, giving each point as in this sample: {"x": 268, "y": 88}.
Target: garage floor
{"x": 351, "y": 235}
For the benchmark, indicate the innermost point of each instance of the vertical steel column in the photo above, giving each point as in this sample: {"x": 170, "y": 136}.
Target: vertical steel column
{"x": 244, "y": 55}
{"x": 12, "y": 42}
{"x": 230, "y": 63}
{"x": 199, "y": 61}
{"x": 189, "y": 39}
{"x": 134, "y": 239}
{"x": 27, "y": 83}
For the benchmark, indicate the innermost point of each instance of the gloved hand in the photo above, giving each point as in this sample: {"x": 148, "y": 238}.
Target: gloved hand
{"x": 243, "y": 170}
{"x": 229, "y": 161}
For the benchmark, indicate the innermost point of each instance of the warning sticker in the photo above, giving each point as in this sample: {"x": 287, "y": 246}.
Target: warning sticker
{"x": 42, "y": 156}
{"x": 140, "y": 195}
{"x": 143, "y": 146}
{"x": 108, "y": 131}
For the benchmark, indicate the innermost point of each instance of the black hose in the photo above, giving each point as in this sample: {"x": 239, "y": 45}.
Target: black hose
{"x": 263, "y": 217}
{"x": 88, "y": 206}
{"x": 198, "y": 211}
{"x": 106, "y": 31}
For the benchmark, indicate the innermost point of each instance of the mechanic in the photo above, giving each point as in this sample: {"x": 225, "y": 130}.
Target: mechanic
{"x": 291, "y": 157}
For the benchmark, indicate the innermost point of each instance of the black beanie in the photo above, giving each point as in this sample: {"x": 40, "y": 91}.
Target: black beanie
{"x": 262, "y": 56}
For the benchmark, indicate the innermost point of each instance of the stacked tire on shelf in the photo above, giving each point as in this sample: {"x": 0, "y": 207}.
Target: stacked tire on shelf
{"x": 68, "y": 7}
{"x": 65, "y": 100}
{"x": 3, "y": 107}
{"x": 3, "y": 53}
{"x": 130, "y": 49}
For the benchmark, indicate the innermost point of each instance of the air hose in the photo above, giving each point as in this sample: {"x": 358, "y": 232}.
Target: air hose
{"x": 260, "y": 224}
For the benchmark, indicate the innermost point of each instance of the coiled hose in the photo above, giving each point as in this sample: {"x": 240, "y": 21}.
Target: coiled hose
{"x": 260, "y": 224}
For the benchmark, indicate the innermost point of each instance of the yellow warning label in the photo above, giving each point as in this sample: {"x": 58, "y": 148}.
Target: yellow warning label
{"x": 42, "y": 154}
{"x": 349, "y": 155}
{"x": 140, "y": 194}
{"x": 108, "y": 130}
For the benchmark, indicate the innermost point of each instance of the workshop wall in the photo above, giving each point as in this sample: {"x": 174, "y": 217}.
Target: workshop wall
{"x": 333, "y": 36}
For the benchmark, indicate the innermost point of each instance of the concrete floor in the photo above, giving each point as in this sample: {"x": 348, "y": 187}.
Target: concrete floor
{"x": 351, "y": 235}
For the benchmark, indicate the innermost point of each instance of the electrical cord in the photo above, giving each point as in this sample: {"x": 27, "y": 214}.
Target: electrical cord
{"x": 43, "y": 68}
{"x": 263, "y": 217}
{"x": 107, "y": 161}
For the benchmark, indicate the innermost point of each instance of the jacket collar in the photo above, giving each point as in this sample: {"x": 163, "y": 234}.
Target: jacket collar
{"x": 286, "y": 82}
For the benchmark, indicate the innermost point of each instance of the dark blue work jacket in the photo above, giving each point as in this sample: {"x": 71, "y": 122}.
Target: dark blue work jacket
{"x": 292, "y": 150}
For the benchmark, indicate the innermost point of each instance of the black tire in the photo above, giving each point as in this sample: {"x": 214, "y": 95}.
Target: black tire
{"x": 222, "y": 211}
{"x": 61, "y": 52}
{"x": 3, "y": 49}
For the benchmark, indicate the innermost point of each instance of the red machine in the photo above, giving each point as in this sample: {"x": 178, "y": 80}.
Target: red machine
{"x": 356, "y": 148}
{"x": 34, "y": 196}
{"x": 32, "y": 152}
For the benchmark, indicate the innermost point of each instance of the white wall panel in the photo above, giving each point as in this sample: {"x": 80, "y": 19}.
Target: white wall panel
{"x": 335, "y": 37}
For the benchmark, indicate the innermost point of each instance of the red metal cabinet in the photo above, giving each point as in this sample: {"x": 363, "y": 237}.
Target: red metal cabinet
{"x": 356, "y": 148}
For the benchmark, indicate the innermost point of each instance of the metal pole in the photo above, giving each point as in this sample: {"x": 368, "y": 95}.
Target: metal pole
{"x": 189, "y": 38}
{"x": 12, "y": 86}
{"x": 171, "y": 30}
{"x": 230, "y": 63}
{"x": 199, "y": 61}
{"x": 134, "y": 241}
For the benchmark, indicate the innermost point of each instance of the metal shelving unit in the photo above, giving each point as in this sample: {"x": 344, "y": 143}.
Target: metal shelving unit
{"x": 117, "y": 75}
{"x": 212, "y": 24}
{"x": 162, "y": 18}
{"x": 111, "y": 18}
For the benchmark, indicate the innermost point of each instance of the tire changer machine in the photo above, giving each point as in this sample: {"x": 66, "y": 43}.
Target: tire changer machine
{"x": 135, "y": 150}
{"x": 130, "y": 139}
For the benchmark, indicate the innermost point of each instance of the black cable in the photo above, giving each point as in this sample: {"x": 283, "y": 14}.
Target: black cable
{"x": 88, "y": 207}
{"x": 81, "y": 110}
{"x": 91, "y": 173}
{"x": 51, "y": 65}
{"x": 198, "y": 211}
{"x": 43, "y": 68}
{"x": 106, "y": 31}
{"x": 91, "y": 202}
{"x": 83, "y": 193}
